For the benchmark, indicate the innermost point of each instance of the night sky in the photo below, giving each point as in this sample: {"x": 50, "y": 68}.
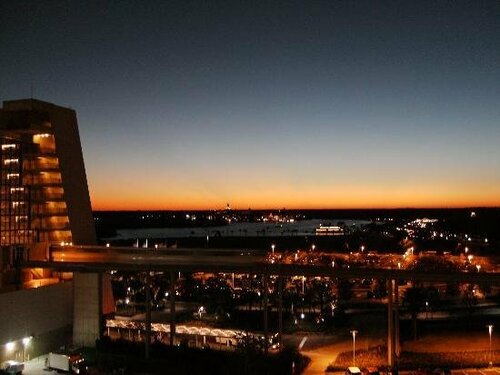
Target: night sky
{"x": 335, "y": 104}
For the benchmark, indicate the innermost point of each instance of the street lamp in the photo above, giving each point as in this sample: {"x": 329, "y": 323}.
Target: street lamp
{"x": 201, "y": 310}
{"x": 490, "y": 331}
{"x": 272, "y": 248}
{"x": 26, "y": 341}
{"x": 354, "y": 332}
{"x": 313, "y": 247}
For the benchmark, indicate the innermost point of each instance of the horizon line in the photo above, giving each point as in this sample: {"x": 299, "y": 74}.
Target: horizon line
{"x": 301, "y": 209}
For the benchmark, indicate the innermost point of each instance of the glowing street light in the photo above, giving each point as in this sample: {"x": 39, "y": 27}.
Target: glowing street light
{"x": 201, "y": 310}
{"x": 10, "y": 346}
{"x": 26, "y": 342}
{"x": 490, "y": 331}
{"x": 313, "y": 247}
{"x": 272, "y": 248}
{"x": 354, "y": 333}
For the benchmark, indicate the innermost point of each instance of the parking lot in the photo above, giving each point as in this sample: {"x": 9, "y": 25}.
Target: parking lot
{"x": 36, "y": 366}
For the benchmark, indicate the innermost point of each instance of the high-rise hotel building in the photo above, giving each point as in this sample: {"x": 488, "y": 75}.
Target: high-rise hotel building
{"x": 44, "y": 200}
{"x": 43, "y": 194}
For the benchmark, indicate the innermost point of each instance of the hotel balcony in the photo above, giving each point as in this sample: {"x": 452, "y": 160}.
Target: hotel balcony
{"x": 52, "y": 212}
{"x": 48, "y": 198}
{"x": 48, "y": 182}
{"x": 56, "y": 227}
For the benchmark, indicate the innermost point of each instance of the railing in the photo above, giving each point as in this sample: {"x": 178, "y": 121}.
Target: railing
{"x": 53, "y": 212}
{"x": 45, "y": 181}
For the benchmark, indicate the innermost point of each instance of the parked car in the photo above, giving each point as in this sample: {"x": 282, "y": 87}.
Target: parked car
{"x": 371, "y": 371}
{"x": 441, "y": 371}
{"x": 11, "y": 367}
{"x": 353, "y": 370}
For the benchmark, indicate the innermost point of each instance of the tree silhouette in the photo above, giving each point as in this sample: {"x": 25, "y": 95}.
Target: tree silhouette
{"x": 344, "y": 289}
{"x": 414, "y": 300}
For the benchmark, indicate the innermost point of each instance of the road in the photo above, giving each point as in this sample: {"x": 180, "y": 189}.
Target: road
{"x": 100, "y": 258}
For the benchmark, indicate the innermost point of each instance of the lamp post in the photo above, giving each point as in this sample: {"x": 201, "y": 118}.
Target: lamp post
{"x": 272, "y": 248}
{"x": 26, "y": 341}
{"x": 354, "y": 332}
{"x": 201, "y": 310}
{"x": 490, "y": 331}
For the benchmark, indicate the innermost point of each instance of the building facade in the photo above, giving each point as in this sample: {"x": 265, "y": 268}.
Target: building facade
{"x": 44, "y": 199}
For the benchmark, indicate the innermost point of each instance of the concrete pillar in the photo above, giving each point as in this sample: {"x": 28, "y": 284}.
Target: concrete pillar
{"x": 397, "y": 343}
{"x": 87, "y": 307}
{"x": 266, "y": 333}
{"x": 390, "y": 325}
{"x": 172, "y": 308}
{"x": 280, "y": 312}
{"x": 148, "y": 315}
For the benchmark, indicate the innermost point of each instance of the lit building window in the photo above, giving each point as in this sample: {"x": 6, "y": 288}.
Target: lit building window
{"x": 9, "y": 146}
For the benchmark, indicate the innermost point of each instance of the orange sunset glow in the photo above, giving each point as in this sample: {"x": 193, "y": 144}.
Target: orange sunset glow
{"x": 172, "y": 197}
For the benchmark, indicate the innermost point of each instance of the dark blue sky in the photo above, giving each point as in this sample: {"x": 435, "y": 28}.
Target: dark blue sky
{"x": 269, "y": 104}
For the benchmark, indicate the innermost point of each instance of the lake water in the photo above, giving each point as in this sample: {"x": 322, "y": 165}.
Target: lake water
{"x": 298, "y": 228}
